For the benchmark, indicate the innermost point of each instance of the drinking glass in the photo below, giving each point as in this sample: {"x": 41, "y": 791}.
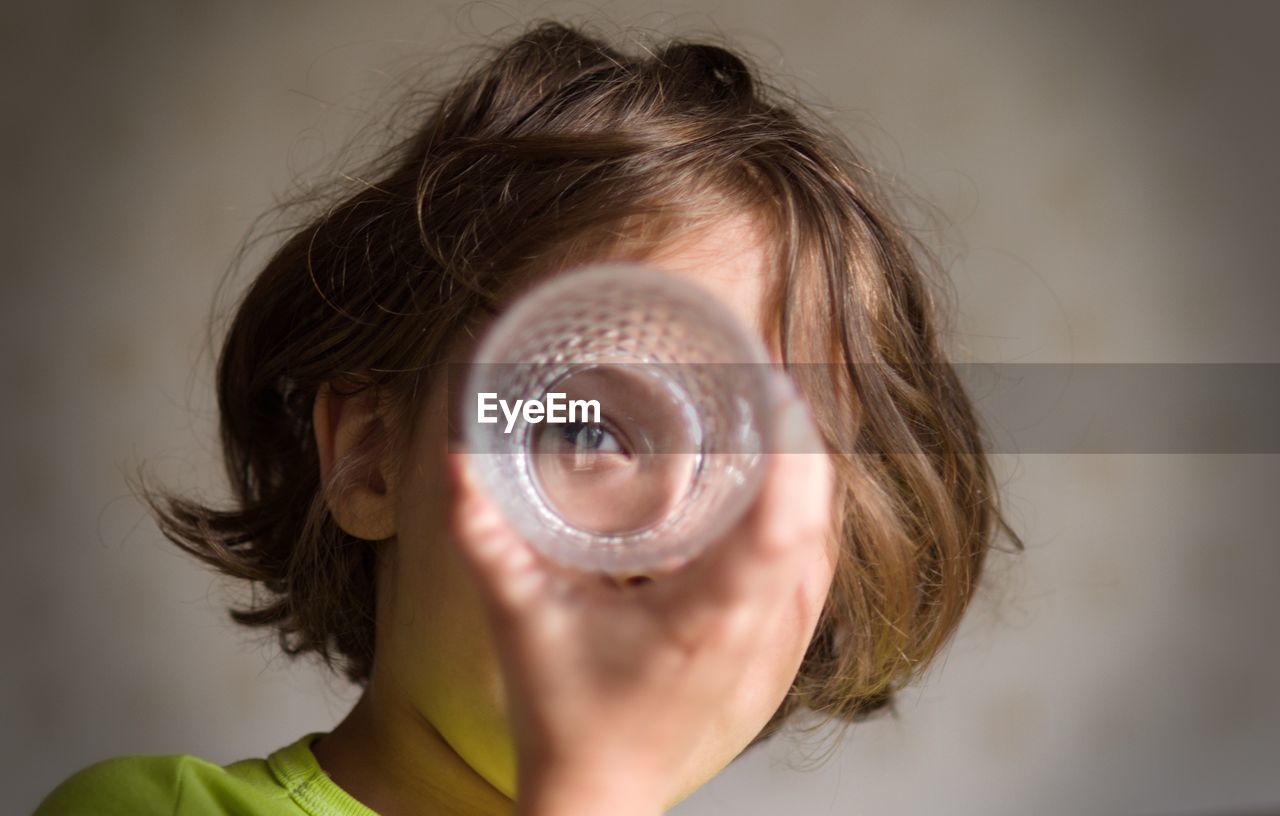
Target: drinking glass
{"x": 671, "y": 456}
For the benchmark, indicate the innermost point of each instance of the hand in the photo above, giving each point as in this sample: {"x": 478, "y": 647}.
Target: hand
{"x": 609, "y": 688}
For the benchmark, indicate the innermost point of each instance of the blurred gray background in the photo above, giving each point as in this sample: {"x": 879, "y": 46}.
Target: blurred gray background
{"x": 1107, "y": 177}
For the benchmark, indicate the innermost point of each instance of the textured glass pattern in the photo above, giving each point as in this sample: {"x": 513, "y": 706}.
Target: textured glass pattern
{"x": 679, "y": 377}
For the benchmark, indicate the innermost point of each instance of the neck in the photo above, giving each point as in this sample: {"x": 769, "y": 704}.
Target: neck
{"x": 396, "y": 764}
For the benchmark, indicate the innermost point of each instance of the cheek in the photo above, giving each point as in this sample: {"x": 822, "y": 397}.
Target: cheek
{"x": 435, "y": 640}
{"x": 765, "y": 681}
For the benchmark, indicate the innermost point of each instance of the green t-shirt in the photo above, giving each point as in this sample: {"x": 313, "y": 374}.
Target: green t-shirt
{"x": 290, "y": 782}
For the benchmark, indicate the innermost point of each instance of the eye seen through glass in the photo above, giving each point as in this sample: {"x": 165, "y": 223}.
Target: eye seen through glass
{"x": 631, "y": 468}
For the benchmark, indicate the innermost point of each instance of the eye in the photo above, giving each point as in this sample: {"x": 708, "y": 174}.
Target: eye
{"x": 590, "y": 437}
{"x": 583, "y": 447}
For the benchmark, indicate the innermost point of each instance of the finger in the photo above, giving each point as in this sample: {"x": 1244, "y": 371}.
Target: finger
{"x": 788, "y": 526}
{"x": 508, "y": 570}
{"x": 764, "y": 556}
{"x": 732, "y": 593}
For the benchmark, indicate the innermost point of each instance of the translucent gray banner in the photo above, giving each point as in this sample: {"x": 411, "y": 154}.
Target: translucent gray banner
{"x": 1022, "y": 407}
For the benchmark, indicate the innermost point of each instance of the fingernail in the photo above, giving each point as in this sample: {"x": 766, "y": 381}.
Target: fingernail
{"x": 784, "y": 388}
{"x": 797, "y": 431}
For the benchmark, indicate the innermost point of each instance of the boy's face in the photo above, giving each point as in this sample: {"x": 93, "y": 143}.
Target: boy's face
{"x": 434, "y": 657}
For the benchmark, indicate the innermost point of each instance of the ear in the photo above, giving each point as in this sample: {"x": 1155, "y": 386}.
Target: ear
{"x": 357, "y": 467}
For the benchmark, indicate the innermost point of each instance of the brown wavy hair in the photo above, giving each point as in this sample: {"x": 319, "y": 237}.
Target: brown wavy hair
{"x": 557, "y": 147}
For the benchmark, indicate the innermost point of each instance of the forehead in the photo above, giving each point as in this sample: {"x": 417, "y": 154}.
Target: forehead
{"x": 729, "y": 258}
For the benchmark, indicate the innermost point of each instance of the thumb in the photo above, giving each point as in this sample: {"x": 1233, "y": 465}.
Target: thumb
{"x": 506, "y": 567}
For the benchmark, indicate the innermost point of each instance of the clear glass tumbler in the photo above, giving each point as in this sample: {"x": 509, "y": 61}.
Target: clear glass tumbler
{"x": 668, "y": 458}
